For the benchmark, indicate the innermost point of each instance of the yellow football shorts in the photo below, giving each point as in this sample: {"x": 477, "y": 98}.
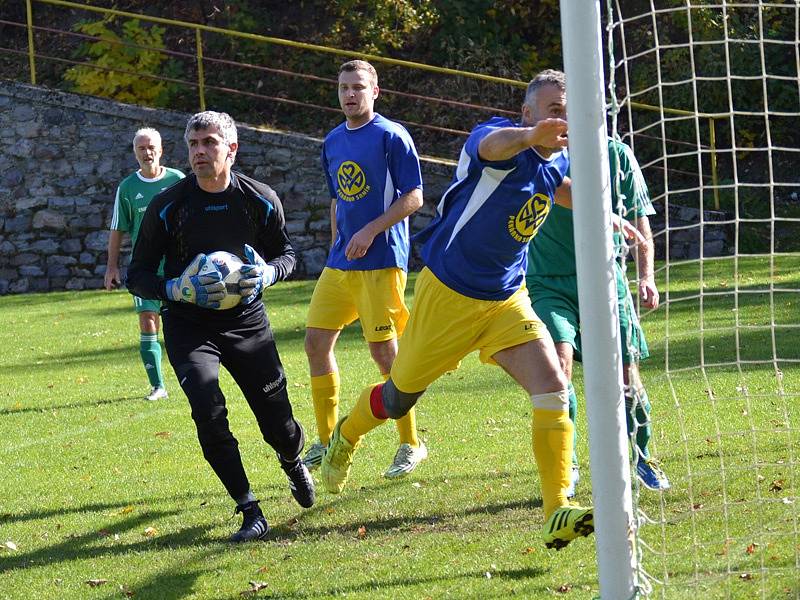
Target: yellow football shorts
{"x": 445, "y": 326}
{"x": 376, "y": 297}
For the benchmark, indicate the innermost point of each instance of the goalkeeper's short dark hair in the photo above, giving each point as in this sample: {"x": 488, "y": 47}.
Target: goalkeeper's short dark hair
{"x": 209, "y": 118}
{"x": 543, "y": 78}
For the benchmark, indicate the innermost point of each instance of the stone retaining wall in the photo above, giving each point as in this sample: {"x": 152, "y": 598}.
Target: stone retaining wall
{"x": 685, "y": 225}
{"x": 63, "y": 155}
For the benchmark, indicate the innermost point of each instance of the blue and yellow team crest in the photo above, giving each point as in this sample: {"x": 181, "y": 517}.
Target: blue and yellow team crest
{"x": 352, "y": 182}
{"x": 524, "y": 225}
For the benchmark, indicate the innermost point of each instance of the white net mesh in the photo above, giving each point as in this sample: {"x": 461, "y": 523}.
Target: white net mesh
{"x": 708, "y": 96}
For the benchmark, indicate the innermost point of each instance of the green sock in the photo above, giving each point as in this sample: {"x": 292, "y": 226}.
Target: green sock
{"x": 643, "y": 428}
{"x": 150, "y": 351}
{"x": 573, "y": 413}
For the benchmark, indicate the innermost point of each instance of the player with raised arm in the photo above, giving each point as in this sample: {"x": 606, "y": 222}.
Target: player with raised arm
{"x": 373, "y": 174}
{"x": 553, "y": 286}
{"x": 133, "y": 196}
{"x": 471, "y": 296}
{"x": 217, "y": 209}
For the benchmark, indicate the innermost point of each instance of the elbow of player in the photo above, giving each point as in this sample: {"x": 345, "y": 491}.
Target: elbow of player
{"x": 414, "y": 205}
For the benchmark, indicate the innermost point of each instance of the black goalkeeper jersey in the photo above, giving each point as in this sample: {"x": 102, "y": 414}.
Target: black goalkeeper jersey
{"x": 184, "y": 221}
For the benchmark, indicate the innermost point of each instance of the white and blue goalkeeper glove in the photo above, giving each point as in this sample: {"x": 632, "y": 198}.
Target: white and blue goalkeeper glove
{"x": 256, "y": 275}
{"x": 206, "y": 290}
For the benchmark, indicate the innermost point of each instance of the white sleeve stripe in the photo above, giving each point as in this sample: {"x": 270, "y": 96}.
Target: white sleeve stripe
{"x": 115, "y": 215}
{"x": 490, "y": 180}
{"x": 388, "y": 196}
{"x": 461, "y": 174}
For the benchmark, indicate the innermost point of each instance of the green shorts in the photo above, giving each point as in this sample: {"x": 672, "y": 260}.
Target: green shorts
{"x": 555, "y": 300}
{"x": 141, "y": 305}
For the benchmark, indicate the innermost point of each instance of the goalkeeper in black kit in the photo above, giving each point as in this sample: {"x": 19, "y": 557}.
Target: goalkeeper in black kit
{"x": 215, "y": 209}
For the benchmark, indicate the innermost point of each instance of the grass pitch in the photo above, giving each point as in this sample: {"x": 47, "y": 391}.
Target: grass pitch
{"x": 106, "y": 495}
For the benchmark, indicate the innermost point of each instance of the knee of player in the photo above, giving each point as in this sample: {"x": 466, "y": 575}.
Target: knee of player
{"x": 317, "y": 345}
{"x": 383, "y": 354}
{"x": 212, "y": 428}
{"x": 554, "y": 380}
{"x": 397, "y": 403}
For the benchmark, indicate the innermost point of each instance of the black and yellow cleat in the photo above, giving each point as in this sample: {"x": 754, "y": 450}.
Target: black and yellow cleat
{"x": 566, "y": 524}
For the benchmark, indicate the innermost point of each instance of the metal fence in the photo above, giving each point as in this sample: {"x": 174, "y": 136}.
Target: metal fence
{"x": 283, "y": 93}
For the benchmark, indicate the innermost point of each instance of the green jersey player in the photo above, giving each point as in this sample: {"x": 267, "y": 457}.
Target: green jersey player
{"x": 133, "y": 196}
{"x": 552, "y": 284}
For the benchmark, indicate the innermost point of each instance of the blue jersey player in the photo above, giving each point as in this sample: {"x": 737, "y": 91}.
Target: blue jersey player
{"x": 373, "y": 175}
{"x": 472, "y": 296}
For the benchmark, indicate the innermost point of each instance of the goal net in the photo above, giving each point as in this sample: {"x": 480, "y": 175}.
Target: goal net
{"x": 707, "y": 94}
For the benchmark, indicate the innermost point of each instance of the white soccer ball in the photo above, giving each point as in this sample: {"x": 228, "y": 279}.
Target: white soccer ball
{"x": 229, "y": 268}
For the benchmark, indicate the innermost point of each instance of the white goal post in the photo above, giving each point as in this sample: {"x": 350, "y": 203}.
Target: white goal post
{"x": 608, "y": 440}
{"x": 707, "y": 94}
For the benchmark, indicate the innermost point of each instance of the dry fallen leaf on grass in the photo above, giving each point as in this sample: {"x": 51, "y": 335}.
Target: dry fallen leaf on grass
{"x": 95, "y": 582}
{"x": 255, "y": 587}
{"x": 10, "y": 545}
{"x": 163, "y": 434}
{"x": 362, "y": 532}
{"x": 150, "y": 532}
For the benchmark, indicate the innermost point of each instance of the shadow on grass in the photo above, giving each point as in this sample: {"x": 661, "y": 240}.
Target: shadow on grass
{"x": 54, "y": 299}
{"x": 441, "y": 519}
{"x": 102, "y": 507}
{"x": 165, "y": 585}
{"x": 93, "y": 544}
{"x": 384, "y": 587}
{"x": 52, "y": 407}
{"x": 350, "y": 334}
{"x": 58, "y": 361}
{"x": 107, "y": 311}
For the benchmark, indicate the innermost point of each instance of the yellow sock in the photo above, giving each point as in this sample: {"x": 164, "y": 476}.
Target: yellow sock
{"x": 406, "y": 426}
{"x": 361, "y": 420}
{"x": 552, "y": 449}
{"x": 407, "y": 429}
{"x": 325, "y": 394}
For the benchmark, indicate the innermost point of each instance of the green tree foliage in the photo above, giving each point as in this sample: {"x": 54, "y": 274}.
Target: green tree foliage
{"x": 125, "y": 60}
{"x": 512, "y": 38}
{"x": 380, "y": 26}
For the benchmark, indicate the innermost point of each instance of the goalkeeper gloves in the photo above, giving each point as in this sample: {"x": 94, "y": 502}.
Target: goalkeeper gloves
{"x": 206, "y": 290}
{"x": 256, "y": 275}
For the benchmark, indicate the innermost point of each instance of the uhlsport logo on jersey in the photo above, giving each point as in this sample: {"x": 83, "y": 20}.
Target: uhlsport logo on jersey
{"x": 524, "y": 225}
{"x": 352, "y": 182}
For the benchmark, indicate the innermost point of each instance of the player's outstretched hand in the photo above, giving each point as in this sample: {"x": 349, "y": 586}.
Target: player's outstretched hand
{"x": 628, "y": 230}
{"x": 256, "y": 275}
{"x": 206, "y": 290}
{"x": 550, "y": 133}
